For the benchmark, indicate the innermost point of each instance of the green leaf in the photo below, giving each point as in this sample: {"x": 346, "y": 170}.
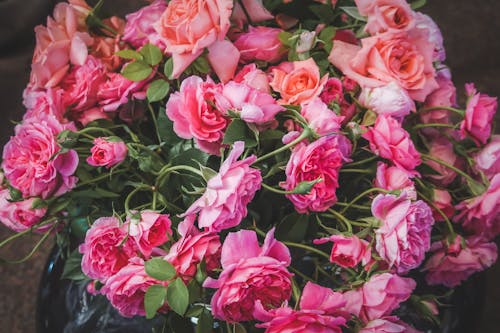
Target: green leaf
{"x": 201, "y": 65}
{"x": 129, "y": 54}
{"x": 369, "y": 118}
{"x": 418, "y": 4}
{"x": 159, "y": 269}
{"x": 178, "y": 296}
{"x": 158, "y": 90}
{"x": 168, "y": 68}
{"x": 38, "y": 203}
{"x": 166, "y": 128}
{"x": 293, "y": 227}
{"x": 95, "y": 193}
{"x": 239, "y": 131}
{"x": 152, "y": 54}
{"x": 195, "y": 311}
{"x": 327, "y": 35}
{"x": 73, "y": 267}
{"x": 354, "y": 13}
{"x": 154, "y": 299}
{"x": 192, "y": 157}
{"x": 205, "y": 322}
{"x": 137, "y": 71}
{"x": 284, "y": 38}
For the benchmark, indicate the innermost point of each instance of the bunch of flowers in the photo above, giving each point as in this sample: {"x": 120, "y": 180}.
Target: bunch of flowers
{"x": 276, "y": 165}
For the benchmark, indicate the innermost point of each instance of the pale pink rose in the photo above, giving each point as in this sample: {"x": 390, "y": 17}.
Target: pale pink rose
{"x": 148, "y": 229}
{"x": 445, "y": 95}
{"x": 479, "y": 115}
{"x": 488, "y": 158}
{"x": 224, "y": 203}
{"x": 320, "y": 118}
{"x": 88, "y": 115}
{"x": 139, "y": 29}
{"x": 384, "y": 325}
{"x": 297, "y": 82}
{"x": 386, "y": 15}
{"x": 260, "y": 43}
{"x": 28, "y": 159}
{"x": 44, "y": 102}
{"x": 404, "y": 235}
{"x": 441, "y": 148}
{"x": 442, "y": 200}
{"x": 347, "y": 251}
{"x": 425, "y": 22}
{"x": 400, "y": 57}
{"x": 253, "y": 77}
{"x": 481, "y": 214}
{"x": 127, "y": 288}
{"x": 452, "y": 265}
{"x": 19, "y": 215}
{"x": 118, "y": 90}
{"x": 105, "y": 48}
{"x": 250, "y": 273}
{"x": 321, "y": 159}
{"x": 320, "y": 311}
{"x": 211, "y": 19}
{"x": 195, "y": 111}
{"x": 106, "y": 249}
{"x": 107, "y": 152}
{"x": 389, "y": 140}
{"x": 390, "y": 100}
{"x": 393, "y": 178}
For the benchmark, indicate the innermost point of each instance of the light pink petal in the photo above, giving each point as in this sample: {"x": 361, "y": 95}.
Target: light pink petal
{"x": 239, "y": 245}
{"x": 223, "y": 57}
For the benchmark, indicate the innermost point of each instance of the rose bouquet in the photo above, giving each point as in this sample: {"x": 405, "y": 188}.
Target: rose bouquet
{"x": 277, "y": 166}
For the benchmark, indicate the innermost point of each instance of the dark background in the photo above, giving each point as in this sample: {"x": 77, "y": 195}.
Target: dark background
{"x": 471, "y": 31}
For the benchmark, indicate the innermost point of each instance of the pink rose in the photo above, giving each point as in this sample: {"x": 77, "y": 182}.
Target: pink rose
{"x": 224, "y": 203}
{"x": 139, "y": 29}
{"x": 479, "y": 115}
{"x": 445, "y": 95}
{"x": 388, "y": 325}
{"x": 481, "y": 214}
{"x": 107, "y": 152}
{"x": 250, "y": 274}
{"x": 19, "y": 215}
{"x": 404, "y": 234}
{"x": 320, "y": 118}
{"x": 441, "y": 148}
{"x": 297, "y": 82}
{"x": 332, "y": 91}
{"x": 488, "y": 158}
{"x": 117, "y": 91}
{"x": 321, "y": 159}
{"x": 390, "y": 100}
{"x": 451, "y": 265}
{"x": 442, "y": 200}
{"x": 400, "y": 57}
{"x": 41, "y": 103}
{"x": 260, "y": 43}
{"x": 425, "y": 22}
{"x": 195, "y": 111}
{"x": 127, "y": 288}
{"x": 28, "y": 159}
{"x": 347, "y": 251}
{"x": 384, "y": 15}
{"x": 105, "y": 48}
{"x": 393, "y": 178}
{"x": 148, "y": 229}
{"x": 106, "y": 249}
{"x": 389, "y": 140}
{"x": 253, "y": 77}
{"x": 320, "y": 311}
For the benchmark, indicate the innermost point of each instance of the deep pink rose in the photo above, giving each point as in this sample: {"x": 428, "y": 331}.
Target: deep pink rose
{"x": 139, "y": 29}
{"x": 106, "y": 249}
{"x": 451, "y": 265}
{"x": 388, "y": 325}
{"x": 400, "y": 57}
{"x": 442, "y": 200}
{"x": 320, "y": 118}
{"x": 347, "y": 251}
{"x": 441, "y": 148}
{"x": 297, "y": 82}
{"x": 404, "y": 234}
{"x": 384, "y": 15}
{"x": 332, "y": 91}
{"x": 107, "y": 152}
{"x": 253, "y": 77}
{"x": 260, "y": 43}
{"x": 321, "y": 159}
{"x": 389, "y": 140}
{"x": 148, "y": 229}
{"x": 195, "y": 111}
{"x": 28, "y": 159}
{"x": 224, "y": 203}
{"x": 44, "y": 102}
{"x": 445, "y": 95}
{"x": 117, "y": 90}
{"x": 250, "y": 274}
{"x": 127, "y": 288}
{"x": 488, "y": 158}
{"x": 320, "y": 311}
{"x": 393, "y": 178}
{"x": 481, "y": 214}
{"x": 19, "y": 215}
{"x": 390, "y": 100}
{"x": 479, "y": 115}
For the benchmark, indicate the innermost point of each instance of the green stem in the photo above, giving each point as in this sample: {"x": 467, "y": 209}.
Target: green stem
{"x": 167, "y": 169}
{"x": 344, "y": 204}
{"x": 371, "y": 190}
{"x": 155, "y": 122}
{"x": 366, "y": 160}
{"x": 275, "y": 190}
{"x": 447, "y": 220}
{"x": 132, "y": 193}
{"x": 342, "y": 218}
{"x": 99, "y": 178}
{"x": 305, "y": 133}
{"x": 433, "y": 125}
{"x": 96, "y": 129}
{"x": 434, "y": 108}
{"x": 308, "y": 248}
{"x": 27, "y": 231}
{"x": 299, "y": 273}
{"x": 451, "y": 167}
{"x": 356, "y": 171}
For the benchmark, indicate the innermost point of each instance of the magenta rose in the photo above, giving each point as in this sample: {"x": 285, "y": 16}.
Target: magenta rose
{"x": 19, "y": 215}
{"x": 107, "y": 152}
{"x": 139, "y": 29}
{"x": 320, "y": 118}
{"x": 384, "y": 15}
{"x": 453, "y": 264}
{"x": 321, "y": 159}
{"x": 442, "y": 200}
{"x": 149, "y": 231}
{"x": 488, "y": 158}
{"x": 224, "y": 203}
{"x": 393, "y": 178}
{"x": 389, "y": 140}
{"x": 347, "y": 251}
{"x": 106, "y": 249}
{"x": 118, "y": 90}
{"x": 479, "y": 115}
{"x": 32, "y": 162}
{"x": 260, "y": 43}
{"x": 404, "y": 234}
{"x": 332, "y": 91}
{"x": 390, "y": 100}
{"x": 250, "y": 274}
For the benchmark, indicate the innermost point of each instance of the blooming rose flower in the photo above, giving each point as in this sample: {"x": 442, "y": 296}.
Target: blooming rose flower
{"x": 106, "y": 249}
{"x": 425, "y": 22}
{"x": 321, "y": 159}
{"x": 260, "y": 43}
{"x": 389, "y": 140}
{"x": 450, "y": 265}
{"x": 387, "y": 325}
{"x": 384, "y": 15}
{"x": 126, "y": 289}
{"x": 400, "y": 57}
{"x": 333, "y": 92}
{"x": 441, "y": 148}
{"x": 194, "y": 115}
{"x": 249, "y": 274}
{"x": 393, "y": 178}
{"x": 481, "y": 214}
{"x": 107, "y": 152}
{"x": 254, "y": 10}
{"x": 319, "y": 312}
{"x": 404, "y": 235}
{"x": 478, "y": 115}
{"x": 139, "y": 29}
{"x": 28, "y": 159}
{"x": 118, "y": 90}
{"x": 224, "y": 203}
{"x": 41, "y": 103}
{"x": 390, "y": 100}
{"x": 488, "y": 158}
{"x": 442, "y": 200}
{"x": 19, "y": 215}
{"x": 253, "y": 77}
{"x": 149, "y": 231}
{"x": 320, "y": 118}
{"x": 347, "y": 251}
{"x": 297, "y": 82}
